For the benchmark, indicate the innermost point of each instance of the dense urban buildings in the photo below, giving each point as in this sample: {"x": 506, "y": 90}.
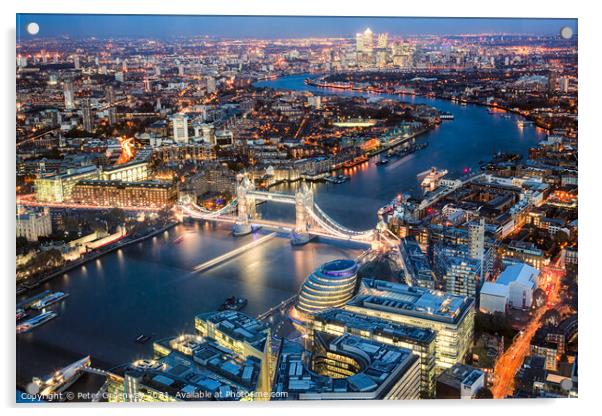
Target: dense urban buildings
{"x": 371, "y": 215}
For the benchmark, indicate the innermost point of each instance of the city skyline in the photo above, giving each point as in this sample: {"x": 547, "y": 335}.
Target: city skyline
{"x": 274, "y": 27}
{"x": 371, "y": 216}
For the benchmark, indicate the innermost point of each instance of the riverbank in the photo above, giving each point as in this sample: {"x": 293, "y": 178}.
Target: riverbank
{"x": 372, "y": 90}
{"x": 34, "y": 283}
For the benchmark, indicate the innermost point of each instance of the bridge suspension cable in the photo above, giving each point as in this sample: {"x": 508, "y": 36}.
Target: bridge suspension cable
{"x": 331, "y": 226}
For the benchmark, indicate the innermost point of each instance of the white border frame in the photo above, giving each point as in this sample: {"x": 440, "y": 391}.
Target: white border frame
{"x": 589, "y": 38}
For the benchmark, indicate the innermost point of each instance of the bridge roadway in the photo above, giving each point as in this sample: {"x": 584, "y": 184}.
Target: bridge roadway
{"x": 278, "y": 226}
{"x": 272, "y": 196}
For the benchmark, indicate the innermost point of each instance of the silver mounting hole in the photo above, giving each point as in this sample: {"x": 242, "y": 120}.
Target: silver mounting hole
{"x": 33, "y": 28}
{"x": 566, "y": 33}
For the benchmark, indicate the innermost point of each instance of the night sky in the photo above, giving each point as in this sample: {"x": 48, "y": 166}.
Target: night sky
{"x": 104, "y": 26}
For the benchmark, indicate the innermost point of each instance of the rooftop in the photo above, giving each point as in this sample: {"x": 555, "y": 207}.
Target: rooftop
{"x": 521, "y": 273}
{"x": 123, "y": 184}
{"x": 460, "y": 375}
{"x": 412, "y": 301}
{"x": 414, "y": 260}
{"x": 494, "y": 289}
{"x": 382, "y": 365}
{"x": 190, "y": 367}
{"x": 355, "y": 323}
{"x": 237, "y": 326}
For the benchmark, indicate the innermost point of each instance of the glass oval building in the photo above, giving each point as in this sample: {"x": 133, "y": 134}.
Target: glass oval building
{"x": 330, "y": 285}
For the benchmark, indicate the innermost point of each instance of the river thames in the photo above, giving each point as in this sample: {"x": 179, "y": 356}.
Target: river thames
{"x": 149, "y": 288}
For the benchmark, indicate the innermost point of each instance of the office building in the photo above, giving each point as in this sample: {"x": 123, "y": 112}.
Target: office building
{"x": 421, "y": 341}
{"x": 364, "y": 42}
{"x": 68, "y": 94}
{"x": 460, "y": 272}
{"x": 86, "y": 114}
{"x": 110, "y": 94}
{"x": 346, "y": 368}
{"x": 564, "y": 84}
{"x": 571, "y": 262}
{"x": 524, "y": 252}
{"x": 180, "y": 128}
{"x": 476, "y": 240}
{"x": 58, "y": 187}
{"x": 211, "y": 85}
{"x": 112, "y": 116}
{"x": 460, "y": 382}
{"x": 187, "y": 368}
{"x": 382, "y": 41}
{"x": 22, "y": 61}
{"x": 415, "y": 264}
{"x": 241, "y": 334}
{"x": 450, "y": 316}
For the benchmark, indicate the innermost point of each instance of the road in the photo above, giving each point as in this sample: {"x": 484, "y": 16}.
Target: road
{"x": 510, "y": 361}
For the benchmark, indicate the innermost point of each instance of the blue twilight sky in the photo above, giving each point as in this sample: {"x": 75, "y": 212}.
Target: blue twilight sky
{"x": 158, "y": 26}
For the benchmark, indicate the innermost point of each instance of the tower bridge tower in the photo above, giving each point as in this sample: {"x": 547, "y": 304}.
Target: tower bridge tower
{"x": 246, "y": 205}
{"x": 304, "y": 200}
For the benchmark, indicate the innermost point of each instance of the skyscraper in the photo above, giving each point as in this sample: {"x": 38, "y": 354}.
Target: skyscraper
{"x": 110, "y": 95}
{"x": 359, "y": 43}
{"x": 476, "y": 239}
{"x": 76, "y": 62}
{"x": 552, "y": 80}
{"x": 112, "y": 116}
{"x": 22, "y": 61}
{"x": 476, "y": 242}
{"x": 68, "y": 93}
{"x": 364, "y": 42}
{"x": 368, "y": 41}
{"x": 211, "y": 86}
{"x": 564, "y": 84}
{"x": 147, "y": 84}
{"x": 383, "y": 39}
{"x": 86, "y": 114}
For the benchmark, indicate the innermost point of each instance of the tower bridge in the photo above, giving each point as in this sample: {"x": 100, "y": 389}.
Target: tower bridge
{"x": 310, "y": 219}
